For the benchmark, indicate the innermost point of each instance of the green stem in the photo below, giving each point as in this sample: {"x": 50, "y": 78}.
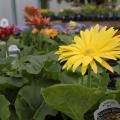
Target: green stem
{"x": 89, "y": 77}
{"x": 6, "y": 48}
{"x": 82, "y": 81}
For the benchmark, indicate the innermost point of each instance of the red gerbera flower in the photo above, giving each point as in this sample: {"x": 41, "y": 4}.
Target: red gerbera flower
{"x": 8, "y": 31}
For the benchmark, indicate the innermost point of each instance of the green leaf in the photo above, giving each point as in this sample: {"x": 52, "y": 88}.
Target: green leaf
{"x": 23, "y": 110}
{"x": 72, "y": 100}
{"x": 65, "y": 39}
{"x": 13, "y": 40}
{"x": 117, "y": 68}
{"x": 4, "y": 108}
{"x": 36, "y": 63}
{"x": 6, "y": 82}
{"x": 46, "y": 39}
{"x": 43, "y": 111}
{"x": 29, "y": 103}
{"x": 31, "y": 64}
{"x": 118, "y": 83}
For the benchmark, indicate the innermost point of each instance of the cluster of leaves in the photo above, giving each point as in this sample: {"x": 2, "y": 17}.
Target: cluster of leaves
{"x": 36, "y": 88}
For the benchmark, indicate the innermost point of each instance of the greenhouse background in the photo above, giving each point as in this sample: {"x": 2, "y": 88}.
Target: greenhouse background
{"x": 14, "y": 9}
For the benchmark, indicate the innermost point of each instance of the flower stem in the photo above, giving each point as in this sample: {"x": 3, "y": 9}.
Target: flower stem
{"x": 82, "y": 81}
{"x": 6, "y": 47}
{"x": 89, "y": 77}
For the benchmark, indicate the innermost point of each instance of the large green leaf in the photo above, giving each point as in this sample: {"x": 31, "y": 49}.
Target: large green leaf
{"x": 4, "y": 108}
{"x": 33, "y": 64}
{"x": 72, "y": 100}
{"x": 29, "y": 103}
{"x": 28, "y": 100}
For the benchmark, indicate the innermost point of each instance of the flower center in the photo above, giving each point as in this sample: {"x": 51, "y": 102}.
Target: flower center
{"x": 72, "y": 24}
{"x": 88, "y": 52}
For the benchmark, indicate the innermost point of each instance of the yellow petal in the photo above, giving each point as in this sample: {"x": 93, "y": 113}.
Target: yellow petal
{"x": 87, "y": 60}
{"x": 78, "y": 41}
{"x": 107, "y": 66}
{"x": 76, "y": 64}
{"x": 94, "y": 66}
{"x": 98, "y": 59}
{"x": 83, "y": 69}
{"x": 71, "y": 61}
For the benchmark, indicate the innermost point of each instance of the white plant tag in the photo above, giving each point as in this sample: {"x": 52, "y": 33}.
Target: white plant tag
{"x": 108, "y": 110}
{"x": 4, "y": 23}
{"x": 14, "y": 51}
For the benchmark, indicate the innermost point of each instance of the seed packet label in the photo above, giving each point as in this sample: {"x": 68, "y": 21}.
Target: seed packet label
{"x": 108, "y": 110}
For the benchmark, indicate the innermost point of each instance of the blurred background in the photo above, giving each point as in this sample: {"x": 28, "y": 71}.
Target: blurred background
{"x": 84, "y": 11}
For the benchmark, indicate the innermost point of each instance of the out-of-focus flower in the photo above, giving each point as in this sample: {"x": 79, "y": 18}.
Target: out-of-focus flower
{"x": 87, "y": 51}
{"x": 71, "y": 27}
{"x": 22, "y": 27}
{"x": 8, "y": 31}
{"x": 35, "y": 30}
{"x": 37, "y": 21}
{"x": 31, "y": 11}
{"x": 74, "y": 27}
{"x": 50, "y": 32}
{"x": 44, "y": 11}
{"x": 59, "y": 27}
{"x": 45, "y": 21}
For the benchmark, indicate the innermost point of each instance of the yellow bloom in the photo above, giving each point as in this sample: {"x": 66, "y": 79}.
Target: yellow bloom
{"x": 91, "y": 47}
{"x": 44, "y": 11}
{"x": 35, "y": 30}
{"x": 50, "y": 32}
{"x": 72, "y": 24}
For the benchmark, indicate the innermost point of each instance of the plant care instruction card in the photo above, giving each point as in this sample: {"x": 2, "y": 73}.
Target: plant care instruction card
{"x": 108, "y": 110}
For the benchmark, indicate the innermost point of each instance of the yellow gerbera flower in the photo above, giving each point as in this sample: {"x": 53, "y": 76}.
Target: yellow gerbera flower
{"x": 91, "y": 46}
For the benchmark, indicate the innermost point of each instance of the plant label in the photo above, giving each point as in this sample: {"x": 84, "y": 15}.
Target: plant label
{"x": 4, "y": 23}
{"x": 108, "y": 110}
{"x": 14, "y": 51}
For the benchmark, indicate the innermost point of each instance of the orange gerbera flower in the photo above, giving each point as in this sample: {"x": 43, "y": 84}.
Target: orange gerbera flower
{"x": 35, "y": 30}
{"x": 46, "y": 21}
{"x": 31, "y": 11}
{"x": 50, "y": 32}
{"x": 37, "y": 21}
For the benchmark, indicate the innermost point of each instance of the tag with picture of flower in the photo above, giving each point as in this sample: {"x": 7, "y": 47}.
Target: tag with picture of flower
{"x": 108, "y": 110}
